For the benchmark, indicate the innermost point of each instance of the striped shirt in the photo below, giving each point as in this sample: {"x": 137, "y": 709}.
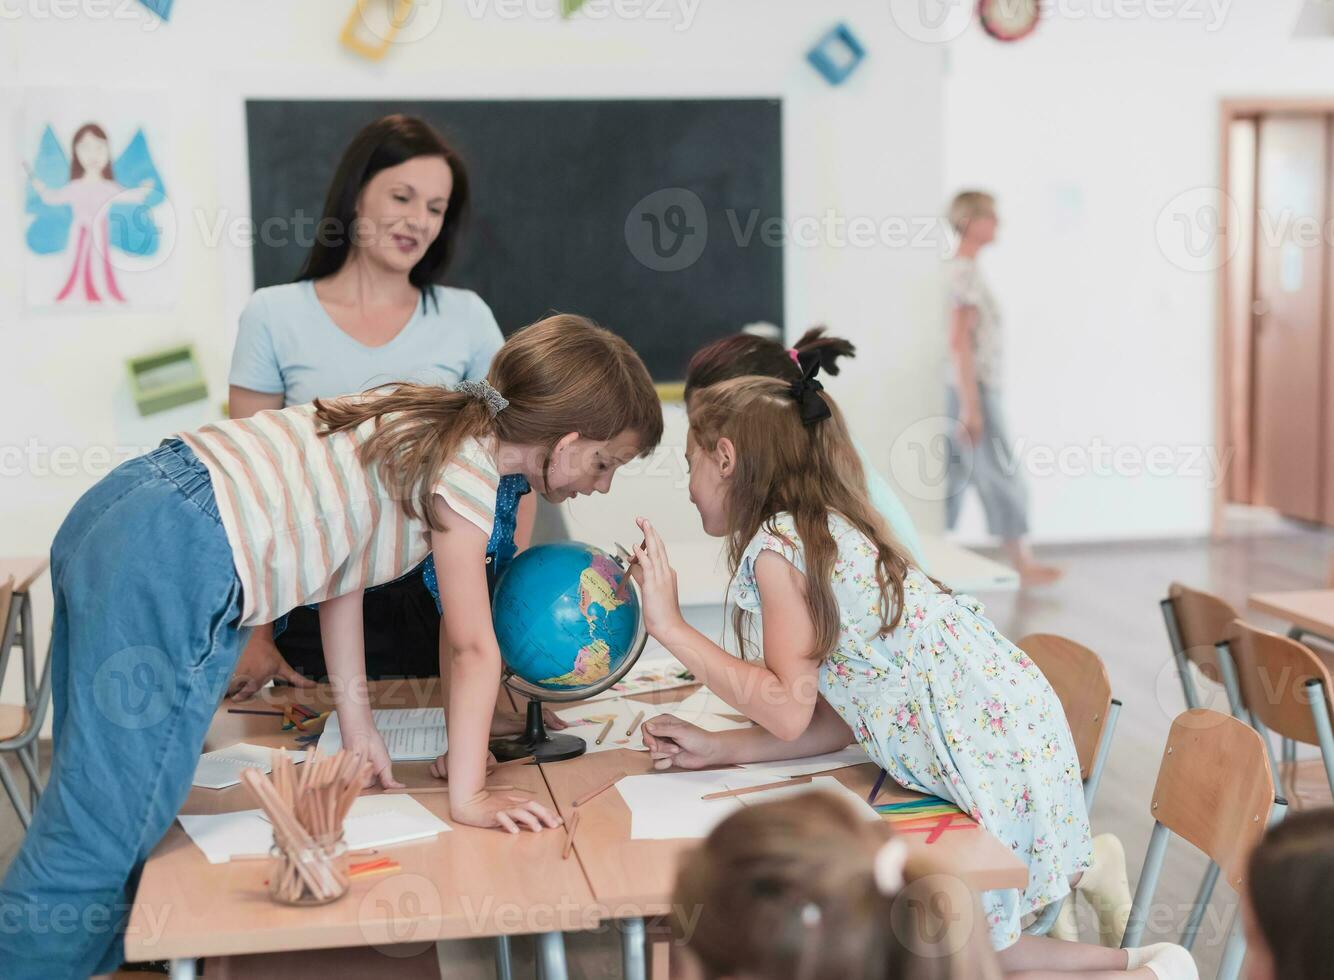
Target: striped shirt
{"x": 307, "y": 521}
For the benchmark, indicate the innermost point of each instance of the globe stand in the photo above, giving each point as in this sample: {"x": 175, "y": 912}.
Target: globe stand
{"x": 536, "y": 740}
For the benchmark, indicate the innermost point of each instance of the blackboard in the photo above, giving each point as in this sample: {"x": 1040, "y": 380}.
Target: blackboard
{"x": 567, "y": 199}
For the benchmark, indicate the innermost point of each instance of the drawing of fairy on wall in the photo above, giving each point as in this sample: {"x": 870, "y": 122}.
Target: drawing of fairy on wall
{"x": 93, "y": 219}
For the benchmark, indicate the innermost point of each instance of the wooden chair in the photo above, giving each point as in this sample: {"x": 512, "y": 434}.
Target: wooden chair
{"x": 20, "y": 724}
{"x": 1078, "y": 677}
{"x": 1283, "y": 687}
{"x": 1215, "y": 790}
{"x": 1196, "y": 622}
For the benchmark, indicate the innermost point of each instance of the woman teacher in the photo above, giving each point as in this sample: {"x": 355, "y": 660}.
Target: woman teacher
{"x": 365, "y": 310}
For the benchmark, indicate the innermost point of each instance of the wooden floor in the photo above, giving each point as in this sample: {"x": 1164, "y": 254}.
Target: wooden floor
{"x": 1108, "y": 601}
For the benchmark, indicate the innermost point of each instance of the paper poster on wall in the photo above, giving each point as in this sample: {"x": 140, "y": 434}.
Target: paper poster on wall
{"x": 99, "y": 229}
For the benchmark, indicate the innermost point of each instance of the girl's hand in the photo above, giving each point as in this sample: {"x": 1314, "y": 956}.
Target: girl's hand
{"x": 508, "y": 811}
{"x": 440, "y": 767}
{"x": 370, "y": 746}
{"x": 657, "y": 583}
{"x": 674, "y": 742}
{"x": 971, "y": 425}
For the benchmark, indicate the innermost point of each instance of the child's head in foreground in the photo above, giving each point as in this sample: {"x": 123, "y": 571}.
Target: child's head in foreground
{"x": 1289, "y": 898}
{"x": 805, "y": 889}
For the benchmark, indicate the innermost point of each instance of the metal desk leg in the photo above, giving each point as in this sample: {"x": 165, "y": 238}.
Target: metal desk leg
{"x": 551, "y": 956}
{"x": 633, "y": 949}
{"x": 504, "y": 963}
{"x": 183, "y": 969}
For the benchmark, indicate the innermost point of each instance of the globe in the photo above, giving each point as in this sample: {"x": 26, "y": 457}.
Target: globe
{"x": 567, "y": 620}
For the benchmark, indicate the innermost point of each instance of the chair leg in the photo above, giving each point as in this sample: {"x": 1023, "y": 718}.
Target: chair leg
{"x": 1202, "y": 898}
{"x": 1234, "y": 953}
{"x": 15, "y": 797}
{"x": 1047, "y": 918}
{"x": 1100, "y": 757}
{"x": 1148, "y": 884}
{"x": 1227, "y": 667}
{"x": 1318, "y": 698}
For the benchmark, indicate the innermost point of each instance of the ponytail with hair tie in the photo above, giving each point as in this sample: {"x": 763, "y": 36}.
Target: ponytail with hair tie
{"x": 805, "y": 391}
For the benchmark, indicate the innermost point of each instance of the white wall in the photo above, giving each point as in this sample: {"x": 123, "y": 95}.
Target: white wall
{"x": 871, "y": 148}
{"x": 1088, "y": 131}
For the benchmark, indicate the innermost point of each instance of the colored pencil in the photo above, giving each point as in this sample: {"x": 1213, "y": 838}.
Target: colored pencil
{"x": 875, "y": 790}
{"x": 596, "y": 792}
{"x": 606, "y": 729}
{"x": 569, "y": 835}
{"x": 724, "y": 794}
{"x": 635, "y": 724}
{"x": 253, "y": 711}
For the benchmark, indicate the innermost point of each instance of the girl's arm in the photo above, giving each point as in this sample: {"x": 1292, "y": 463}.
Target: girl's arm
{"x": 343, "y": 636}
{"x": 470, "y": 659}
{"x": 779, "y": 694}
{"x": 676, "y": 742}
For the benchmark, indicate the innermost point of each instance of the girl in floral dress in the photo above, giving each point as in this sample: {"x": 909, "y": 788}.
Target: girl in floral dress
{"x": 858, "y": 643}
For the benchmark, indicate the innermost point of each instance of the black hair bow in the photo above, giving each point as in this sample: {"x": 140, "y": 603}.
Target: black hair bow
{"x": 805, "y": 391}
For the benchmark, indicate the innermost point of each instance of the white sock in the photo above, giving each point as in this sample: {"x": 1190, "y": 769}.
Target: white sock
{"x": 1140, "y": 955}
{"x": 1168, "y": 961}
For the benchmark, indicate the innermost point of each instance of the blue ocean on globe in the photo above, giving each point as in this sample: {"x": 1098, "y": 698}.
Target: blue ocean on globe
{"x": 563, "y": 618}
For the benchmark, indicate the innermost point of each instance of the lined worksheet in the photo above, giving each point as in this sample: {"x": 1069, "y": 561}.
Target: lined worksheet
{"x": 410, "y": 734}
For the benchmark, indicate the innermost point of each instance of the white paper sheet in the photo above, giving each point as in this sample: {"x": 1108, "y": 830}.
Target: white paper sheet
{"x": 586, "y": 720}
{"x": 373, "y": 821}
{"x": 223, "y": 767}
{"x": 853, "y": 755}
{"x": 410, "y": 734}
{"x": 707, "y": 710}
{"x": 668, "y": 806}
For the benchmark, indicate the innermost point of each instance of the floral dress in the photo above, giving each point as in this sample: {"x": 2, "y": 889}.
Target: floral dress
{"x": 948, "y": 706}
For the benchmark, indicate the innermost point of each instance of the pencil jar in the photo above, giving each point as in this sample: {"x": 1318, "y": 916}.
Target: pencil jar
{"x": 309, "y": 875}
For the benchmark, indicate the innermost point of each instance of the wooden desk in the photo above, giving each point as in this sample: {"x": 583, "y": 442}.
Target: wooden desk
{"x": 465, "y": 883}
{"x": 1308, "y": 612}
{"x": 635, "y": 877}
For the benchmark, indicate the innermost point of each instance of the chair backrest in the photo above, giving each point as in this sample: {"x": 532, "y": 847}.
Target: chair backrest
{"x": 1272, "y": 676}
{"x": 1215, "y": 788}
{"x": 1078, "y": 677}
{"x": 1202, "y": 619}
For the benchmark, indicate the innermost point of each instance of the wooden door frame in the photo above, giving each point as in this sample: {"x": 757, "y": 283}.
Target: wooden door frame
{"x": 1231, "y": 110}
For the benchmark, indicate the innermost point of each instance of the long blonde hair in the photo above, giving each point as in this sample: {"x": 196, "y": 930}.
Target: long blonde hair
{"x": 807, "y": 471}
{"x": 560, "y": 375}
{"x": 787, "y": 890}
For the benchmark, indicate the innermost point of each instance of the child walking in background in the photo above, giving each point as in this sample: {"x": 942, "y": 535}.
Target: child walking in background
{"x": 161, "y": 569}
{"x": 805, "y": 889}
{"x": 858, "y": 644}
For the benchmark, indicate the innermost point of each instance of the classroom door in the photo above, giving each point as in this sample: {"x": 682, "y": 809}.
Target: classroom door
{"x": 1288, "y": 404}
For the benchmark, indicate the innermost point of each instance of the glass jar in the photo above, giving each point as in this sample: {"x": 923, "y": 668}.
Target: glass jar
{"x": 313, "y": 876}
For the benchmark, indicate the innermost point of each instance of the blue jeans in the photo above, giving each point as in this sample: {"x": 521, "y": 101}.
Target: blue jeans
{"x": 144, "y": 639}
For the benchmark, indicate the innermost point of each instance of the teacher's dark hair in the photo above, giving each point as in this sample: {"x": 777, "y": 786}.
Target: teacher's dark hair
{"x": 386, "y": 143}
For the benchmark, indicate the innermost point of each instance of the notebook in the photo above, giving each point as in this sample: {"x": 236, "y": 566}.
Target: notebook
{"x": 410, "y": 734}
{"x": 223, "y": 767}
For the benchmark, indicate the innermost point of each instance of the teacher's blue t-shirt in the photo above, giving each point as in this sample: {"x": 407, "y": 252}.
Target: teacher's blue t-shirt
{"x": 287, "y": 344}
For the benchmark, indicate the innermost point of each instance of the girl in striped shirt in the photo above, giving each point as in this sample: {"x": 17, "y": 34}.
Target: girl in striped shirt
{"x": 161, "y": 569}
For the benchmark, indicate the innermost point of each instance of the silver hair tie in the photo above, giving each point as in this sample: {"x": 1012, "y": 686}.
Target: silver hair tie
{"x": 483, "y": 392}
